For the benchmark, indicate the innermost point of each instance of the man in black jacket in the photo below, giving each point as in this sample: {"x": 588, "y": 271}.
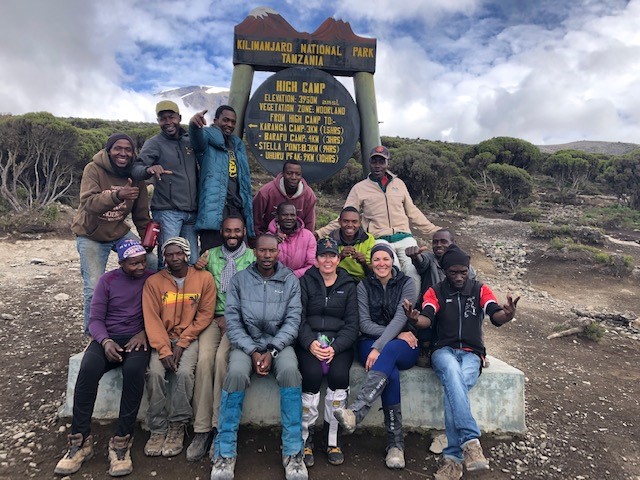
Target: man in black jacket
{"x": 456, "y": 307}
{"x": 168, "y": 156}
{"x": 431, "y": 273}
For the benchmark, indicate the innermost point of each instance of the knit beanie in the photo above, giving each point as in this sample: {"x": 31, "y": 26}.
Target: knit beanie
{"x": 180, "y": 242}
{"x": 384, "y": 247}
{"x": 454, "y": 256}
{"x": 115, "y": 137}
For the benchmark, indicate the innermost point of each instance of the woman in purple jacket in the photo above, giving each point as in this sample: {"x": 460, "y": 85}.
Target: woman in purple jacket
{"x": 116, "y": 327}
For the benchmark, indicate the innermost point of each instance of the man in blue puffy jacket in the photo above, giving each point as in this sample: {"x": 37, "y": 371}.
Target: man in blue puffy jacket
{"x": 224, "y": 186}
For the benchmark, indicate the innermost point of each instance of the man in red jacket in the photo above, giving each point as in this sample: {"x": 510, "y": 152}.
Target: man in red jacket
{"x": 288, "y": 186}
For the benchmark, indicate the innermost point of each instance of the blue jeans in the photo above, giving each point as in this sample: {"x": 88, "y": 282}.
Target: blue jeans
{"x": 458, "y": 370}
{"x": 93, "y": 262}
{"x": 175, "y": 223}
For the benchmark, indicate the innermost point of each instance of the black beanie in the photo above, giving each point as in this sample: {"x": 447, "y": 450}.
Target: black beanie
{"x": 382, "y": 246}
{"x": 115, "y": 137}
{"x": 454, "y": 256}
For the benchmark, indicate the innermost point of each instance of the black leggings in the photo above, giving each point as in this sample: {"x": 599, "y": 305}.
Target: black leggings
{"x": 94, "y": 365}
{"x": 311, "y": 370}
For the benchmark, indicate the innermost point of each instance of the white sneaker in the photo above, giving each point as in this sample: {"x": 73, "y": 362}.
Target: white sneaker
{"x": 294, "y": 467}
{"x": 223, "y": 468}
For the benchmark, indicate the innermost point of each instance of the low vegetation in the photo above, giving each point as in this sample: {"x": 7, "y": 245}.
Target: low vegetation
{"x": 611, "y": 263}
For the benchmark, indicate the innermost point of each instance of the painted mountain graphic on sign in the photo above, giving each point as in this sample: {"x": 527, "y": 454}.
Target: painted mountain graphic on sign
{"x": 265, "y": 22}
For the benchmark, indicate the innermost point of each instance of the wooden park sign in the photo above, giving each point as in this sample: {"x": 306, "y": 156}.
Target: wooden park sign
{"x": 302, "y": 112}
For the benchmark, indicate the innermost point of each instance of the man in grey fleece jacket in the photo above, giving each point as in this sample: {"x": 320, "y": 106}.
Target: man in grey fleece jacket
{"x": 168, "y": 156}
{"x": 263, "y": 317}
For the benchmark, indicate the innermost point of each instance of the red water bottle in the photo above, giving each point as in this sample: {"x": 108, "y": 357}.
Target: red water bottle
{"x": 150, "y": 239}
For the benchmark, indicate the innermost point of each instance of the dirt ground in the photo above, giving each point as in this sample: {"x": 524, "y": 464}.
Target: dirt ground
{"x": 583, "y": 397}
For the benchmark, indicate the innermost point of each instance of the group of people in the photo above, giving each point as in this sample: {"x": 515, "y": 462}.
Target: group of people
{"x": 298, "y": 304}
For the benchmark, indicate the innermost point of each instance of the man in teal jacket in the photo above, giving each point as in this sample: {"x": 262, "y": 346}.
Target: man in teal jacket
{"x": 224, "y": 187}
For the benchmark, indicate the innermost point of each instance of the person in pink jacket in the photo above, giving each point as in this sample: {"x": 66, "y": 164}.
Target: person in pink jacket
{"x": 297, "y": 244}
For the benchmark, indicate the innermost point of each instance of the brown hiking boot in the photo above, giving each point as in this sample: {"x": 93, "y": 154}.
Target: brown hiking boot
{"x": 174, "y": 443}
{"x": 153, "y": 447}
{"x": 450, "y": 470}
{"x": 79, "y": 451}
{"x": 120, "y": 456}
{"x": 474, "y": 459}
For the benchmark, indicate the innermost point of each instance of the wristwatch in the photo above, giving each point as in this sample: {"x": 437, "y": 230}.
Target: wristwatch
{"x": 274, "y": 352}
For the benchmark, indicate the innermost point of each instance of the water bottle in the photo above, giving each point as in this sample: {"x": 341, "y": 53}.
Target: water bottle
{"x": 324, "y": 342}
{"x": 150, "y": 238}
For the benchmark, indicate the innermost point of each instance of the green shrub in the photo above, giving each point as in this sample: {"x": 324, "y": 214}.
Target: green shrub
{"x": 342, "y": 181}
{"x": 580, "y": 234}
{"x": 324, "y": 217}
{"x": 594, "y": 331}
{"x": 515, "y": 183}
{"x": 613, "y": 217}
{"x": 527, "y": 214}
{"x": 546, "y": 231}
{"x": 51, "y": 213}
{"x": 557, "y": 243}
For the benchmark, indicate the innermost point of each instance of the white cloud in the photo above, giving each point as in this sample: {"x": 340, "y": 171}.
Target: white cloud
{"x": 461, "y": 70}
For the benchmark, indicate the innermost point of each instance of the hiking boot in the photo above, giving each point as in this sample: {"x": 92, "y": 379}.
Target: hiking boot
{"x": 335, "y": 455}
{"x": 223, "y": 468}
{"x": 450, "y": 470}
{"x": 308, "y": 458}
{"x": 120, "y": 456}
{"x": 395, "y": 458}
{"x": 373, "y": 386}
{"x": 294, "y": 467}
{"x": 199, "y": 446}
{"x": 347, "y": 419}
{"x": 473, "y": 457}
{"x": 153, "y": 447}
{"x": 174, "y": 443}
{"x": 79, "y": 451}
{"x": 424, "y": 357}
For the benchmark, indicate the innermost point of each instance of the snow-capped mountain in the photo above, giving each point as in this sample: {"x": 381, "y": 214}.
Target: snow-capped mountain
{"x": 197, "y": 98}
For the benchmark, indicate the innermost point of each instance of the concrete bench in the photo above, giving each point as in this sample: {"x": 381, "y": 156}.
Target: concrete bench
{"x": 497, "y": 400}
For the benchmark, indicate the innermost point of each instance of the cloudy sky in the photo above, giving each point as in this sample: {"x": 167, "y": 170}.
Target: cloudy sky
{"x": 548, "y": 71}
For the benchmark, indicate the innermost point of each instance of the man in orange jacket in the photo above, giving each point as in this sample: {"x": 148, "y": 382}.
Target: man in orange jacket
{"x": 178, "y": 305}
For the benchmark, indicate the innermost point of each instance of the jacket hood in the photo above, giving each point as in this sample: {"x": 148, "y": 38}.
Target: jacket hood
{"x": 299, "y": 226}
{"x": 360, "y": 236}
{"x": 102, "y": 160}
{"x": 165, "y": 273}
{"x": 279, "y": 183}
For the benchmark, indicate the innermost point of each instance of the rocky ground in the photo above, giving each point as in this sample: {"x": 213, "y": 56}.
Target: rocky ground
{"x": 582, "y": 397}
